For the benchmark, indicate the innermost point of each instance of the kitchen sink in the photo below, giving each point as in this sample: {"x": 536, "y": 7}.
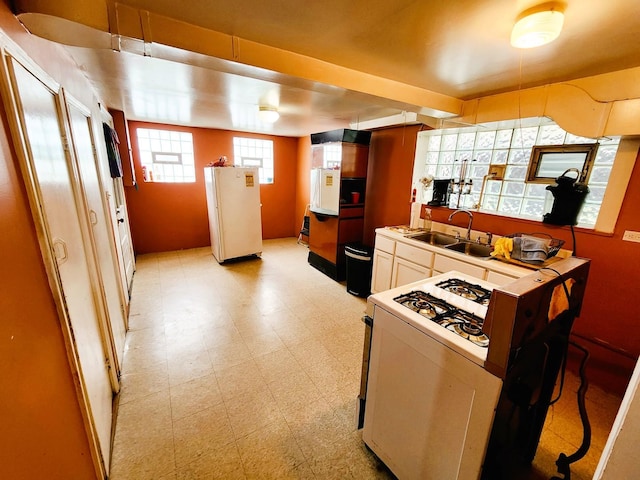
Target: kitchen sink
{"x": 436, "y": 238}
{"x": 471, "y": 248}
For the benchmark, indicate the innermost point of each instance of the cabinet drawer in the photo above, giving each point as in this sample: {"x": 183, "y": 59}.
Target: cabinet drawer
{"x": 385, "y": 244}
{"x": 499, "y": 278}
{"x": 414, "y": 254}
{"x": 446, "y": 264}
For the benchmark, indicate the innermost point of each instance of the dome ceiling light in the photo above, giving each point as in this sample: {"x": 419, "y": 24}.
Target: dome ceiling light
{"x": 268, "y": 114}
{"x": 538, "y": 25}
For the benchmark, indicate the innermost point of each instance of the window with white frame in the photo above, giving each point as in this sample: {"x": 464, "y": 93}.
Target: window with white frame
{"x": 465, "y": 155}
{"x": 253, "y": 152}
{"x": 166, "y": 156}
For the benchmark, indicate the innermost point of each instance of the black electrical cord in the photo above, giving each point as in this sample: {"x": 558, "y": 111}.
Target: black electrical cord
{"x": 563, "y": 463}
{"x": 573, "y": 237}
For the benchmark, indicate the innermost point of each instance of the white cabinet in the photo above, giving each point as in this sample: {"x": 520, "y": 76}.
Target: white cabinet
{"x": 405, "y": 272}
{"x": 382, "y": 269}
{"x": 444, "y": 263}
{"x": 410, "y": 264}
{"x": 414, "y": 254}
{"x": 398, "y": 260}
{"x": 499, "y": 278}
{"x": 385, "y": 248}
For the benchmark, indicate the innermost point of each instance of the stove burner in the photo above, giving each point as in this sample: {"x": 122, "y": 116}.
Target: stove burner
{"x": 426, "y": 305}
{"x": 458, "y": 321}
{"x": 466, "y": 289}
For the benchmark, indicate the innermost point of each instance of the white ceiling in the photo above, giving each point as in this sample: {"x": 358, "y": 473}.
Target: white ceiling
{"x": 355, "y": 60}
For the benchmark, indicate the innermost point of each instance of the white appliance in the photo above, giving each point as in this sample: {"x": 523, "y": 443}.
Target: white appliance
{"x": 325, "y": 191}
{"x": 233, "y": 204}
{"x": 429, "y": 400}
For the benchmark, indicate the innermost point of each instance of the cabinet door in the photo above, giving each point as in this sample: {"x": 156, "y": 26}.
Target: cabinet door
{"x": 381, "y": 274}
{"x": 405, "y": 272}
{"x": 323, "y": 236}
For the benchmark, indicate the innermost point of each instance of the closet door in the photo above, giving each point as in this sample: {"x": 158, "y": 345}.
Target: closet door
{"x": 50, "y": 182}
{"x": 124, "y": 232}
{"x": 103, "y": 241}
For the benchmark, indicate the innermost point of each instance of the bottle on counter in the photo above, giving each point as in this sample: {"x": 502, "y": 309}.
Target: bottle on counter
{"x": 426, "y": 219}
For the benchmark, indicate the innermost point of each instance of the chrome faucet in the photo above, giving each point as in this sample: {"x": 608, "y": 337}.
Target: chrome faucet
{"x": 468, "y": 237}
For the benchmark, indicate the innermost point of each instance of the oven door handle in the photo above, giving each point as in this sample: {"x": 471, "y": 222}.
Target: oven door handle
{"x": 366, "y": 353}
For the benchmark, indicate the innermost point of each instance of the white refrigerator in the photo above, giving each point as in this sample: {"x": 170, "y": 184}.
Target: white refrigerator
{"x": 233, "y": 204}
{"x": 325, "y": 191}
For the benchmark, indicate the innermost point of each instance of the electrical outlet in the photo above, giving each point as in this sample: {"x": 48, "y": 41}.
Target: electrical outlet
{"x": 631, "y": 236}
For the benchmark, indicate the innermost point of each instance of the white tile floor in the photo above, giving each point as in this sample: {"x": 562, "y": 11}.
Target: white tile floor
{"x": 248, "y": 370}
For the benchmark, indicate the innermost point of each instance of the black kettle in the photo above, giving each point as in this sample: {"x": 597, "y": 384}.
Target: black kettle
{"x": 569, "y": 195}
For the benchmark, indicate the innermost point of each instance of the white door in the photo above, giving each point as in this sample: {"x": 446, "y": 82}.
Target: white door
{"x": 124, "y": 233}
{"x": 112, "y": 291}
{"x": 49, "y": 182}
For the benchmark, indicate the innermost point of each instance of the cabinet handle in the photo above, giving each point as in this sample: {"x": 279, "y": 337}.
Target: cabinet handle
{"x": 93, "y": 217}
{"x": 60, "y": 251}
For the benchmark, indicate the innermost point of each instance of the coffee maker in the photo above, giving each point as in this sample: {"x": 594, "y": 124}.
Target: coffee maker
{"x": 568, "y": 197}
{"x": 440, "y": 193}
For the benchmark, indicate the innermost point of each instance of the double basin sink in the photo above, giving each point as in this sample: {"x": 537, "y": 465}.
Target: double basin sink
{"x": 443, "y": 240}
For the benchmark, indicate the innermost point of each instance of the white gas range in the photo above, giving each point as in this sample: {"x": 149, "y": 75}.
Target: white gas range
{"x": 426, "y": 383}
{"x": 448, "y": 360}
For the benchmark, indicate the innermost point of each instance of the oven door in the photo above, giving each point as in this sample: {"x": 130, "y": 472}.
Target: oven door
{"x": 366, "y": 353}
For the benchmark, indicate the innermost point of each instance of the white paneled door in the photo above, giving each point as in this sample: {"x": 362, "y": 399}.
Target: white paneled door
{"x": 101, "y": 223}
{"x": 53, "y": 189}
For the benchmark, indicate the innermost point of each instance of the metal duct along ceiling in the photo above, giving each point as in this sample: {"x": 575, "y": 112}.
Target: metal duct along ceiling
{"x": 330, "y": 66}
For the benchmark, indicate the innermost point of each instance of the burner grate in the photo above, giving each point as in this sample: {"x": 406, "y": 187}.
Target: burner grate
{"x": 462, "y": 323}
{"x": 467, "y": 290}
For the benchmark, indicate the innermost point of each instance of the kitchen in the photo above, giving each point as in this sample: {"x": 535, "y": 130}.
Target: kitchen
{"x": 389, "y": 190}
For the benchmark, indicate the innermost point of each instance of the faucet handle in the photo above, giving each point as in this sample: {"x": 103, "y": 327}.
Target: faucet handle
{"x": 489, "y": 238}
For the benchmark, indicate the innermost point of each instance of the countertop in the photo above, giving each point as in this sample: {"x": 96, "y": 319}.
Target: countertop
{"x": 403, "y": 233}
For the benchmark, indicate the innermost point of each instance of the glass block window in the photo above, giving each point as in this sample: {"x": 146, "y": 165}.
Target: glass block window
{"x": 253, "y": 152}
{"x": 465, "y": 156}
{"x": 166, "y": 156}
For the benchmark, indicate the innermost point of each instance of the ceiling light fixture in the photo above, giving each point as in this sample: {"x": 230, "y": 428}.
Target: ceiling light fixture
{"x": 268, "y": 114}
{"x": 538, "y": 25}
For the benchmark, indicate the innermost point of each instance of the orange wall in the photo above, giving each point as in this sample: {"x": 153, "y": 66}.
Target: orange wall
{"x": 173, "y": 216}
{"x": 43, "y": 433}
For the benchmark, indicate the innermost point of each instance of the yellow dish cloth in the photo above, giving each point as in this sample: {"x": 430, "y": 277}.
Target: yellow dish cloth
{"x": 504, "y": 247}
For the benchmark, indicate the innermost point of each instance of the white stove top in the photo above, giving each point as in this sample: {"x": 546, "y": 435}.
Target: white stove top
{"x": 385, "y": 300}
